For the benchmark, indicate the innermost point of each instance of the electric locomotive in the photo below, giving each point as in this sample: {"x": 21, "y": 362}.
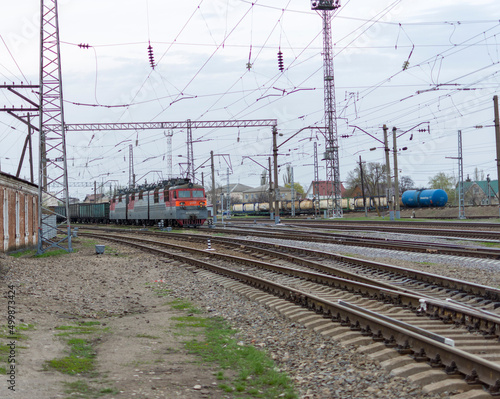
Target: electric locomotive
{"x": 176, "y": 202}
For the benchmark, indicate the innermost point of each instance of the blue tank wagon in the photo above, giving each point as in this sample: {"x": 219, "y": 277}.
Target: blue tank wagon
{"x": 424, "y": 198}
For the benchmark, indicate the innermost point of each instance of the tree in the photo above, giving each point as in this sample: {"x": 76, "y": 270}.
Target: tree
{"x": 374, "y": 179}
{"x": 406, "y": 183}
{"x": 299, "y": 190}
{"x": 287, "y": 176}
{"x": 445, "y": 182}
{"x": 442, "y": 181}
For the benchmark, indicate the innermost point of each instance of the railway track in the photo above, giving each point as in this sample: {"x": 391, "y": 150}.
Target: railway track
{"x": 344, "y": 221}
{"x": 371, "y": 242}
{"x": 453, "y": 335}
{"x": 487, "y": 231}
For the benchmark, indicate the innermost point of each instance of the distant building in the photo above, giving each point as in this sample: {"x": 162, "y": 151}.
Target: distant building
{"x": 261, "y": 194}
{"x": 95, "y": 199}
{"x": 325, "y": 190}
{"x": 480, "y": 192}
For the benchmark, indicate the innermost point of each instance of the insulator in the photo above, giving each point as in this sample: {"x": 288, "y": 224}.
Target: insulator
{"x": 85, "y": 46}
{"x": 151, "y": 56}
{"x": 280, "y": 61}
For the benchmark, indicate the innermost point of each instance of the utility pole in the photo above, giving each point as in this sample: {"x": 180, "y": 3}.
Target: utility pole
{"x": 362, "y": 185}
{"x": 169, "y": 154}
{"x": 461, "y": 200}
{"x": 131, "y": 174}
{"x": 332, "y": 146}
{"x": 271, "y": 196}
{"x": 396, "y": 174}
{"x": 276, "y": 190}
{"x": 214, "y": 198}
{"x": 293, "y": 195}
{"x": 53, "y": 162}
{"x": 388, "y": 174}
{"x": 497, "y": 134}
{"x": 190, "y": 151}
{"x": 316, "y": 181}
{"x": 228, "y": 202}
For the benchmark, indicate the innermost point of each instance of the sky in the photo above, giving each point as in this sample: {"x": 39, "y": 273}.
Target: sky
{"x": 201, "y": 51}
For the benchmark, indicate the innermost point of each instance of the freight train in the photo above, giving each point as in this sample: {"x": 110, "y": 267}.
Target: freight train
{"x": 176, "y": 202}
{"x": 308, "y": 206}
{"x": 410, "y": 199}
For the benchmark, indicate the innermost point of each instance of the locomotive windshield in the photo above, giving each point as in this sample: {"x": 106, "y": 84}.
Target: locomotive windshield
{"x": 198, "y": 194}
{"x": 184, "y": 194}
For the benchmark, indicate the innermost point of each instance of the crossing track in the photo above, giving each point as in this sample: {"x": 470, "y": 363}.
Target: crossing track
{"x": 417, "y": 323}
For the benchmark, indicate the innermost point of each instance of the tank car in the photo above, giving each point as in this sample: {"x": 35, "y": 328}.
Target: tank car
{"x": 424, "y": 198}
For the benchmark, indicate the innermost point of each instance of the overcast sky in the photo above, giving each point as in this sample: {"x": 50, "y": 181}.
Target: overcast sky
{"x": 202, "y": 47}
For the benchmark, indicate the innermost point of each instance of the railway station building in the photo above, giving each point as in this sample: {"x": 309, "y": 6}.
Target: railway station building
{"x": 18, "y": 213}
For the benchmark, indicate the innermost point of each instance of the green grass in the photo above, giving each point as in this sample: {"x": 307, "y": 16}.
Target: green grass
{"x": 4, "y": 340}
{"x": 254, "y": 373}
{"x": 81, "y": 353}
{"x": 21, "y": 253}
{"x": 81, "y": 389}
{"x": 53, "y": 252}
{"x": 489, "y": 244}
{"x": 79, "y": 361}
{"x": 181, "y": 304}
{"x": 88, "y": 327}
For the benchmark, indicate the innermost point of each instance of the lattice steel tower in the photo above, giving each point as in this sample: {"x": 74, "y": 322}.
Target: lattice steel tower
{"x": 334, "y": 193}
{"x": 53, "y": 174}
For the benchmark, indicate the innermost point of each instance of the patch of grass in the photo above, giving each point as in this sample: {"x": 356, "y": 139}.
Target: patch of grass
{"x": 89, "y": 327}
{"x": 256, "y": 373}
{"x": 79, "y": 361}
{"x": 190, "y": 321}
{"x": 53, "y": 252}
{"x": 81, "y": 354}
{"x": 181, "y": 304}
{"x": 24, "y": 252}
{"x": 5, "y": 337}
{"x": 81, "y": 389}
{"x": 489, "y": 244}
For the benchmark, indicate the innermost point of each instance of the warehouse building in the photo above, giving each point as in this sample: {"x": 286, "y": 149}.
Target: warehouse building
{"x": 18, "y": 213}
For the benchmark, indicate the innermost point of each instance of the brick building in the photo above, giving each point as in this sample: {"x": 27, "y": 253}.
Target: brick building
{"x": 18, "y": 213}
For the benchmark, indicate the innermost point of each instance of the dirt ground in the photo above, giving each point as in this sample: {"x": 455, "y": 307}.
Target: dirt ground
{"x": 139, "y": 352}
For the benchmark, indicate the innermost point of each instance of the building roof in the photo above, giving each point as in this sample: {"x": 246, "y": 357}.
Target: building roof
{"x": 265, "y": 188}
{"x": 483, "y": 185}
{"x": 324, "y": 189}
{"x": 16, "y": 179}
{"x": 235, "y": 188}
{"x": 94, "y": 197}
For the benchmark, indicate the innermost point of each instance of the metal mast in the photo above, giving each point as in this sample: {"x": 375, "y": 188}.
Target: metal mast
{"x": 53, "y": 173}
{"x": 131, "y": 174}
{"x": 316, "y": 180}
{"x": 190, "y": 166}
{"x": 332, "y": 147}
{"x": 169, "y": 154}
{"x": 461, "y": 200}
